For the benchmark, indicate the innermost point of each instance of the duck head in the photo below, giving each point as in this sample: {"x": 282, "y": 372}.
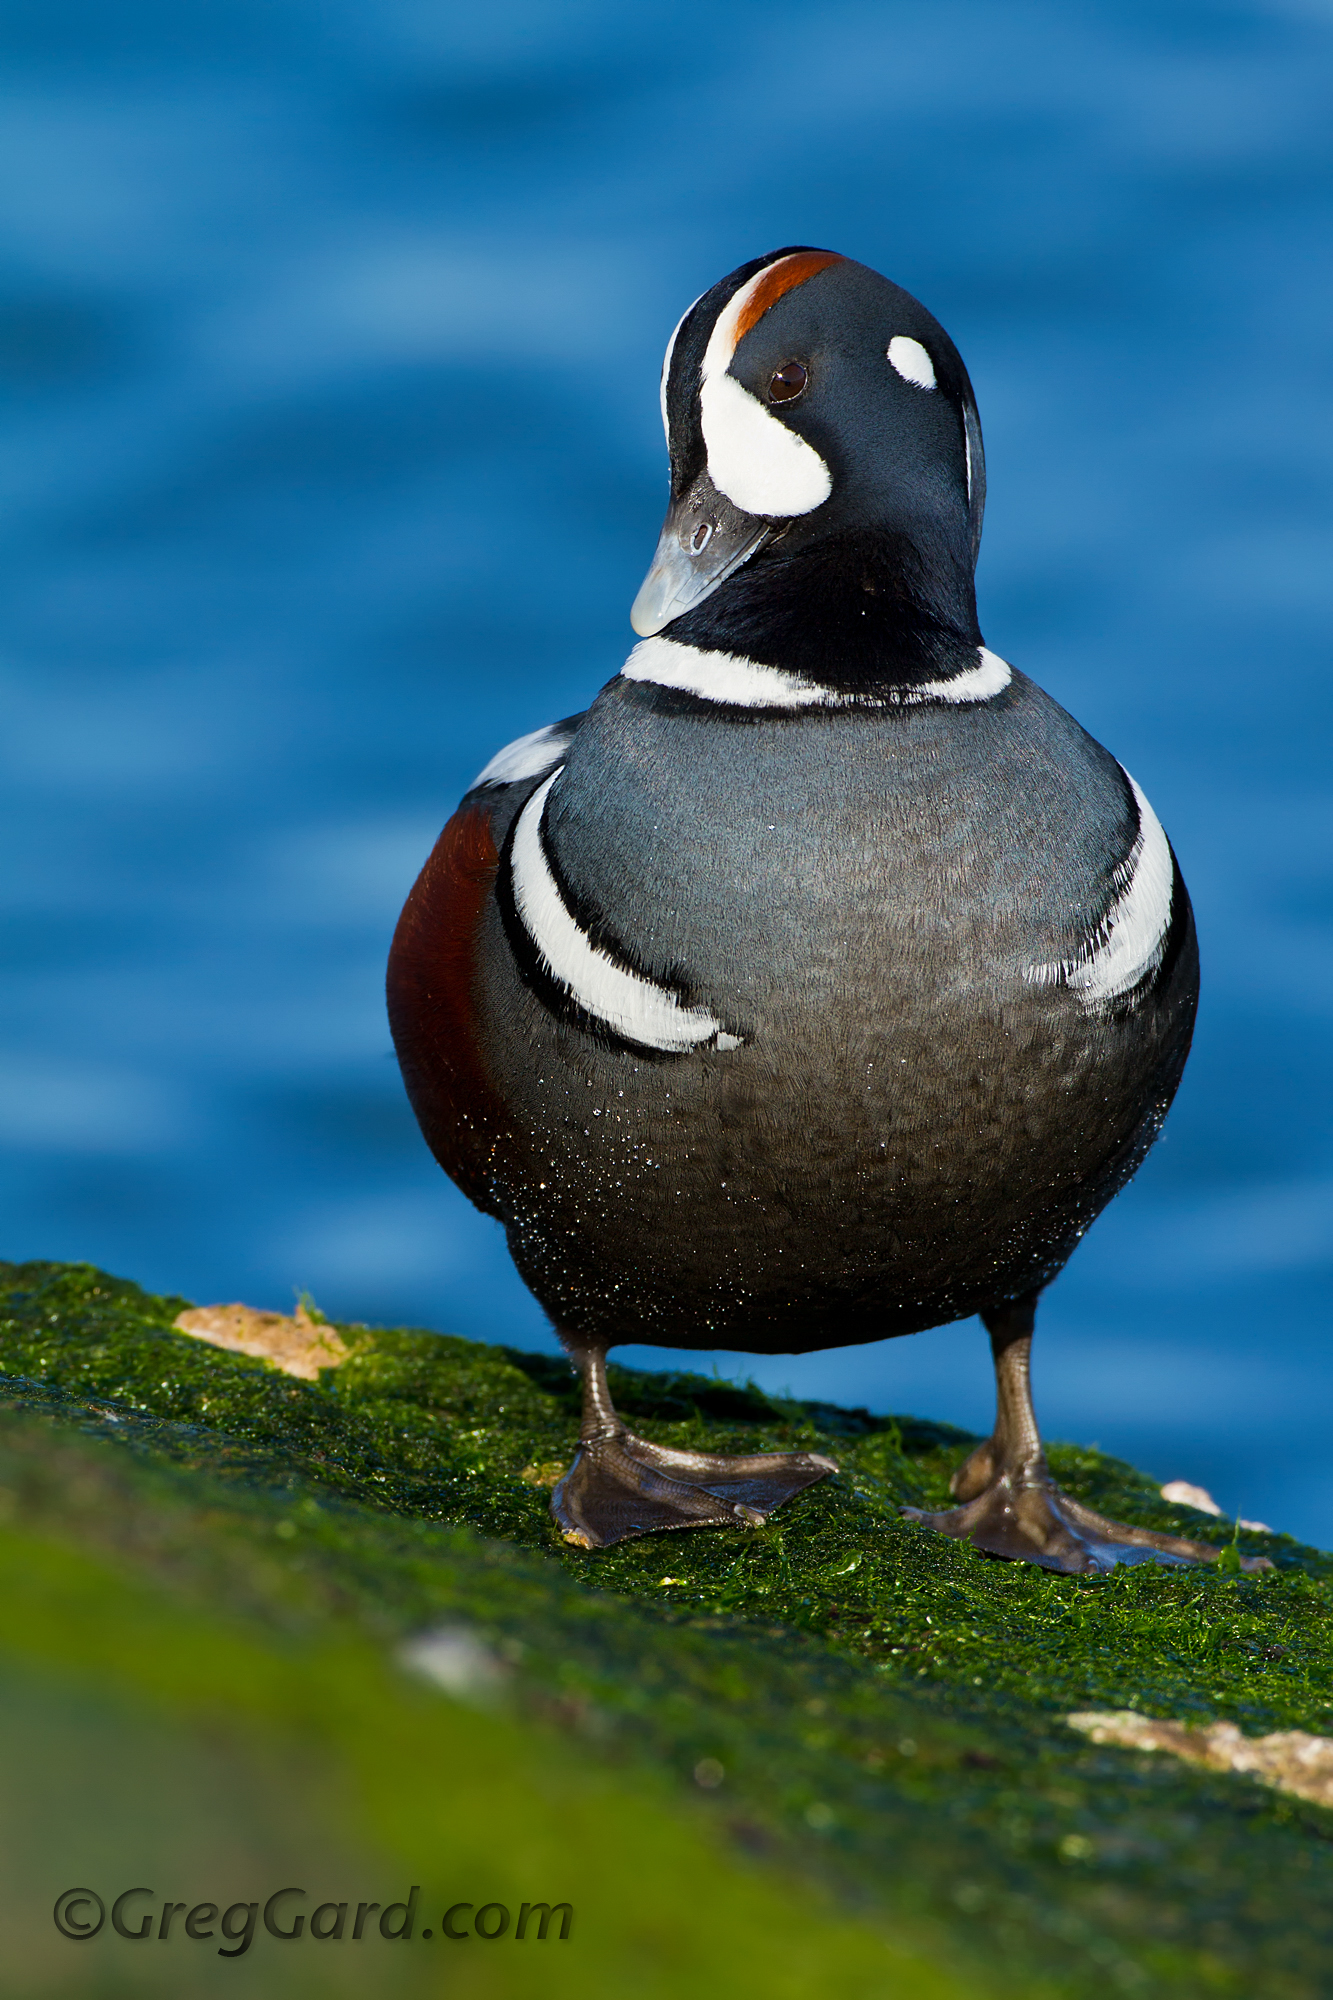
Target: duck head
{"x": 827, "y": 477}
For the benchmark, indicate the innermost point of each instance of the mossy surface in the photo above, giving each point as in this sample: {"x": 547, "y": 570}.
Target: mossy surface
{"x": 875, "y": 1712}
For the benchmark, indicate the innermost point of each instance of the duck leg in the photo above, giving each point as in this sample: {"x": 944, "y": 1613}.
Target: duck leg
{"x": 1012, "y": 1506}
{"x": 621, "y": 1485}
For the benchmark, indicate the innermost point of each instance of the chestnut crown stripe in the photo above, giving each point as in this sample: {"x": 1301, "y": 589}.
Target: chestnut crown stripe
{"x": 752, "y": 301}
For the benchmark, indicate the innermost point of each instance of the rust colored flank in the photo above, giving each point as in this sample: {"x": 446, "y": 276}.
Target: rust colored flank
{"x": 431, "y": 969}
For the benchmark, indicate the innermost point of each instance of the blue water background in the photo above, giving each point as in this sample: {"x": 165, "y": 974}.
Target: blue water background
{"x": 330, "y": 338}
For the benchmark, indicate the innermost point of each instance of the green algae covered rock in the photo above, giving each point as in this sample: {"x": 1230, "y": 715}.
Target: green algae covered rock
{"x": 260, "y": 1632}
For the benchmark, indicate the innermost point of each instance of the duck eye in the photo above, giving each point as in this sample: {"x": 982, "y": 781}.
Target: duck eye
{"x": 788, "y": 382}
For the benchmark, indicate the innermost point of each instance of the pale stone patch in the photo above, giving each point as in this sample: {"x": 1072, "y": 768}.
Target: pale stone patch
{"x": 455, "y": 1659}
{"x": 299, "y": 1345}
{"x": 1289, "y": 1759}
{"x": 1181, "y": 1494}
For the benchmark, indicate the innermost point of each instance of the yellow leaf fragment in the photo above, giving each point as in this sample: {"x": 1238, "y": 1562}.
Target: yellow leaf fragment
{"x": 299, "y": 1345}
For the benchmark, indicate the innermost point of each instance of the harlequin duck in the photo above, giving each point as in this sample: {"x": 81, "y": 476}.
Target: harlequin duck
{"x": 824, "y": 980}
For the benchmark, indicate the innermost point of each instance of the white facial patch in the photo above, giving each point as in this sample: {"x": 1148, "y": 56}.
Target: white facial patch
{"x": 1128, "y": 943}
{"x": 911, "y": 360}
{"x": 761, "y": 466}
{"x": 636, "y": 1009}
{"x": 526, "y": 757}
{"x": 736, "y": 682}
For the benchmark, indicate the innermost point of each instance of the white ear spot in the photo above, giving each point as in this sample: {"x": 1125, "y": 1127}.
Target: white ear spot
{"x": 911, "y": 360}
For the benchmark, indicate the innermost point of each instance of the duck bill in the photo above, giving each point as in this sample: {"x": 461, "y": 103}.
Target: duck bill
{"x": 704, "y": 540}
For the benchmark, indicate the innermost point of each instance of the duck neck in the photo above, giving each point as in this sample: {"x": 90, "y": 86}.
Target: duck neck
{"x": 861, "y": 612}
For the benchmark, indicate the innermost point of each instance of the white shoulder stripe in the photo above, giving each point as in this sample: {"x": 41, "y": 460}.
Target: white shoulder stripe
{"x": 526, "y": 757}
{"x": 1128, "y": 943}
{"x": 637, "y": 1009}
{"x": 742, "y": 683}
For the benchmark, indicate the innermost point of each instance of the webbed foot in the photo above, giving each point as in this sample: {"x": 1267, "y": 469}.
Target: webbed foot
{"x": 1011, "y": 1505}
{"x": 1024, "y": 1515}
{"x": 620, "y": 1485}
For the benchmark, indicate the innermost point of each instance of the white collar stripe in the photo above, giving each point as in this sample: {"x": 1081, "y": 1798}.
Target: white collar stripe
{"x": 735, "y": 682}
{"x": 990, "y": 676}
{"x": 722, "y": 677}
{"x": 1128, "y": 943}
{"x": 636, "y": 1009}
